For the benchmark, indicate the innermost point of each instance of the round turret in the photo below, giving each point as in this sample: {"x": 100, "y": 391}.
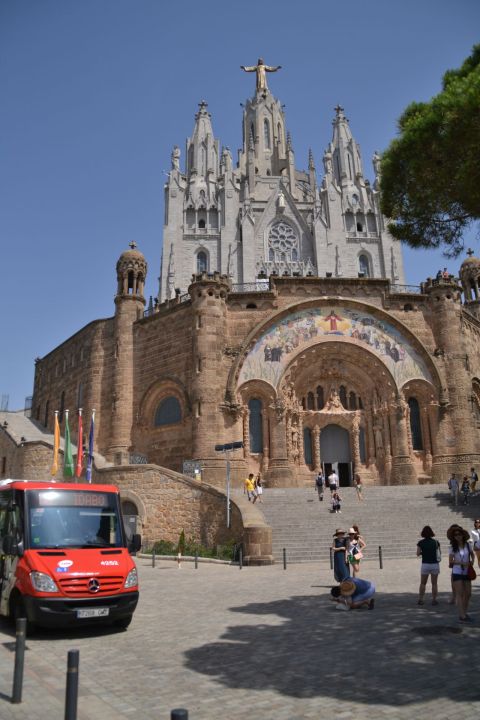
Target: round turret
{"x": 131, "y": 273}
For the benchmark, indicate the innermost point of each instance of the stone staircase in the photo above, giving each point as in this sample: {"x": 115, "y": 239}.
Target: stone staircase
{"x": 392, "y": 517}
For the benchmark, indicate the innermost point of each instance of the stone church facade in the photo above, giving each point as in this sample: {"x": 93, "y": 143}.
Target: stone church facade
{"x": 283, "y": 321}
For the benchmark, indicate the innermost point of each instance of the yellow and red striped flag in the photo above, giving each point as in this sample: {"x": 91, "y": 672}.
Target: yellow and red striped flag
{"x": 79, "y": 463}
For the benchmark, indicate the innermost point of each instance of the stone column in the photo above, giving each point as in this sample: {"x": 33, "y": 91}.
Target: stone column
{"x": 279, "y": 473}
{"x": 317, "y": 461}
{"x": 388, "y": 448}
{"x": 356, "y": 441}
{"x": 369, "y": 437}
{"x": 403, "y": 472}
{"x": 427, "y": 447}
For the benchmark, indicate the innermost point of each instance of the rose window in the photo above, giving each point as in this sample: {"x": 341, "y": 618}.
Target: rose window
{"x": 283, "y": 243}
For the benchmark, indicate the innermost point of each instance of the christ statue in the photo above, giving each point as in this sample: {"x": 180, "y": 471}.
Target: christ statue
{"x": 261, "y": 69}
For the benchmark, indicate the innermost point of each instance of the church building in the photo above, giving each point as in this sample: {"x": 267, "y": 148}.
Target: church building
{"x": 283, "y": 320}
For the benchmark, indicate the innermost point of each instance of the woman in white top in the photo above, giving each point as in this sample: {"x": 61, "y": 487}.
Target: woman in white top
{"x": 460, "y": 558}
{"x": 475, "y": 535}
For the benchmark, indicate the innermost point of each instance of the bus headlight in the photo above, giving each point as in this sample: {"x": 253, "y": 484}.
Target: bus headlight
{"x": 42, "y": 582}
{"x": 132, "y": 579}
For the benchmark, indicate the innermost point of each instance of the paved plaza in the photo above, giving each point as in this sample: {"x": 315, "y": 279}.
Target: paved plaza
{"x": 229, "y": 644}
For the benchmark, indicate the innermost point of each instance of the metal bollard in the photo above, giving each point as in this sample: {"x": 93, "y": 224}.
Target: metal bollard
{"x": 240, "y": 559}
{"x": 284, "y": 558}
{"x": 179, "y": 714}
{"x": 380, "y": 557}
{"x": 196, "y": 561}
{"x": 21, "y": 632}
{"x": 331, "y": 559}
{"x": 71, "y": 693}
{"x": 153, "y": 558}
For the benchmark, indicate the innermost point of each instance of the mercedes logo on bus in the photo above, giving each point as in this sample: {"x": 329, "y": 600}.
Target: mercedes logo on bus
{"x": 93, "y": 585}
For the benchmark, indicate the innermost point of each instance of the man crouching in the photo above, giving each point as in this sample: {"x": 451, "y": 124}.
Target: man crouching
{"x": 354, "y": 593}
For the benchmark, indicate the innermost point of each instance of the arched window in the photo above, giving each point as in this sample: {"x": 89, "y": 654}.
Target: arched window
{"x": 352, "y": 401}
{"x": 343, "y": 396}
{"x": 201, "y": 224}
{"x": 62, "y": 407}
{"x": 279, "y": 133}
{"x": 202, "y": 262}
{"x": 415, "y": 424}
{"x": 168, "y": 412}
{"x": 320, "y": 398}
{"x": 307, "y": 446}
{"x": 310, "y": 401}
{"x": 47, "y": 412}
{"x": 364, "y": 265}
{"x": 255, "y": 427}
{"x": 266, "y": 134}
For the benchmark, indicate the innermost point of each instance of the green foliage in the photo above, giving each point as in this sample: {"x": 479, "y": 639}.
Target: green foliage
{"x": 430, "y": 174}
{"x": 220, "y": 552}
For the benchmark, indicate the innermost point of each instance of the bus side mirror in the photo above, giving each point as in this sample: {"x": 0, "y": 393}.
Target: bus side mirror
{"x": 135, "y": 543}
{"x": 11, "y": 547}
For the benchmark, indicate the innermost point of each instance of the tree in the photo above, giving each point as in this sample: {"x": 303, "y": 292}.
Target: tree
{"x": 430, "y": 174}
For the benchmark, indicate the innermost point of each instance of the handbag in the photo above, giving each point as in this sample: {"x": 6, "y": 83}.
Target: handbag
{"x": 439, "y": 553}
{"x": 471, "y": 574}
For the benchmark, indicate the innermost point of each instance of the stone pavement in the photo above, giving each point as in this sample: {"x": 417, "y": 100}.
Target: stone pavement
{"x": 263, "y": 643}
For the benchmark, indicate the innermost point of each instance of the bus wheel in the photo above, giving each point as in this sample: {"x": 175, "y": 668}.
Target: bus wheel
{"x": 123, "y": 623}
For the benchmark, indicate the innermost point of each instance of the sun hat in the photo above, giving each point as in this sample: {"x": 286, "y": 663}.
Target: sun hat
{"x": 339, "y": 531}
{"x": 352, "y": 531}
{"x": 465, "y": 534}
{"x": 347, "y": 587}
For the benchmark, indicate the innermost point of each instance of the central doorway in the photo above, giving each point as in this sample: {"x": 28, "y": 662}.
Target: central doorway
{"x": 335, "y": 453}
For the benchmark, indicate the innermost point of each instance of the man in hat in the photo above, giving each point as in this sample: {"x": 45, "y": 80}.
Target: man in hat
{"x": 354, "y": 593}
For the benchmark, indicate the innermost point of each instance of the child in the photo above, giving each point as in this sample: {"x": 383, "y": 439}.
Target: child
{"x": 336, "y": 502}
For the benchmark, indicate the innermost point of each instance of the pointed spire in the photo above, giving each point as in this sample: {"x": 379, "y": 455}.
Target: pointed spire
{"x": 311, "y": 162}
{"x": 289, "y": 141}
{"x": 251, "y": 140}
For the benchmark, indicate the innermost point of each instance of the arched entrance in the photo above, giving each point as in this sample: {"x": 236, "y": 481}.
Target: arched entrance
{"x": 335, "y": 452}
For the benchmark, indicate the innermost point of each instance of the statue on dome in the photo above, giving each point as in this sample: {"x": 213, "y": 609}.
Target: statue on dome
{"x": 261, "y": 69}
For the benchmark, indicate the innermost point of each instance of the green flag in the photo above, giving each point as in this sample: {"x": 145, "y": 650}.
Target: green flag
{"x": 67, "y": 453}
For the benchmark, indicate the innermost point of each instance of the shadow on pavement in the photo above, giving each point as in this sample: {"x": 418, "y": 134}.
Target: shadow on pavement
{"x": 394, "y": 655}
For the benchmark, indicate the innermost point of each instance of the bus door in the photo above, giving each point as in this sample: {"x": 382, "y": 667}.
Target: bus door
{"x": 11, "y": 515}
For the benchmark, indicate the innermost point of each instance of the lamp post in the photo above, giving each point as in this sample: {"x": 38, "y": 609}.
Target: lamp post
{"x": 225, "y": 449}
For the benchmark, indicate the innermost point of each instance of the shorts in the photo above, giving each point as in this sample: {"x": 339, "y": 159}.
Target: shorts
{"x": 365, "y": 595}
{"x": 430, "y": 569}
{"x": 460, "y": 578}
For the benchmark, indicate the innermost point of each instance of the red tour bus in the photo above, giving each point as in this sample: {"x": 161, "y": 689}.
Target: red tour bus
{"x": 65, "y": 555}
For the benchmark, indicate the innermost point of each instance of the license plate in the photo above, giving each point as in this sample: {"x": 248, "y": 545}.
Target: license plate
{"x": 92, "y": 612}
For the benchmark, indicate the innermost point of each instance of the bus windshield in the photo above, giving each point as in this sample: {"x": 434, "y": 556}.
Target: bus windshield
{"x": 73, "y": 519}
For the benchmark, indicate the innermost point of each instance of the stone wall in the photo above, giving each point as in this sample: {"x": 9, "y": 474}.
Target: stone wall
{"x": 31, "y": 460}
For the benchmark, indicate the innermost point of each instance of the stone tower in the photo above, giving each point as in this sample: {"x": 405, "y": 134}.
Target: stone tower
{"x": 265, "y": 216}
{"x": 129, "y": 306}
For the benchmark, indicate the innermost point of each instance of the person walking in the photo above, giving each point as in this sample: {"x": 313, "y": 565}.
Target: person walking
{"x": 339, "y": 548}
{"x": 357, "y": 481}
{"x": 258, "y": 487}
{"x": 475, "y": 536}
{"x": 473, "y": 480}
{"x": 461, "y": 558}
{"x": 249, "y": 487}
{"x": 320, "y": 485}
{"x": 429, "y": 550}
{"x": 465, "y": 489}
{"x": 453, "y": 487}
{"x": 356, "y": 545}
{"x": 333, "y": 482}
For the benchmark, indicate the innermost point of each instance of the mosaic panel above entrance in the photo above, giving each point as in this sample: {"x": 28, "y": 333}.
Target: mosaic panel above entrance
{"x": 270, "y": 355}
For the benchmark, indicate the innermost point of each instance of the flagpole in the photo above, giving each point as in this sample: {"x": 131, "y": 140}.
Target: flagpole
{"x": 88, "y": 474}
{"x": 56, "y": 445}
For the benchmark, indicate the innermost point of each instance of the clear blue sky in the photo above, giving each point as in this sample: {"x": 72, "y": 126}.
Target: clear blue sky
{"x": 95, "y": 93}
